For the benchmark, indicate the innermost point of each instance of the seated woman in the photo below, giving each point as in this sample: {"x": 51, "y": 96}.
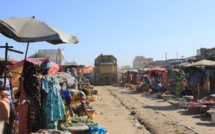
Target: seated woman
{"x": 74, "y": 101}
{"x": 146, "y": 83}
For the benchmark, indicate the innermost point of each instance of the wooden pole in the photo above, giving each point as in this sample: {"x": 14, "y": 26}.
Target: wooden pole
{"x": 5, "y": 64}
{"x": 7, "y": 48}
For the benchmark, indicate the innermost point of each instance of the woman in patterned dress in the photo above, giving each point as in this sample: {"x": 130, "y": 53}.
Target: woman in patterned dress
{"x": 52, "y": 105}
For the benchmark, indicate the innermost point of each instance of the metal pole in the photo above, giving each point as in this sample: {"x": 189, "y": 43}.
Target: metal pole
{"x": 166, "y": 58}
{"x": 56, "y": 58}
{"x": 177, "y": 55}
{"x": 26, "y": 52}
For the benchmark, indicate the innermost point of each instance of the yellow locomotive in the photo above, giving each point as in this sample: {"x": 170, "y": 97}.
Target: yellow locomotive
{"x": 105, "y": 70}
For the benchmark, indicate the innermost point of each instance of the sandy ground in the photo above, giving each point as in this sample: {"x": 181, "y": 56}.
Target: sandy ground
{"x": 113, "y": 116}
{"x": 118, "y": 109}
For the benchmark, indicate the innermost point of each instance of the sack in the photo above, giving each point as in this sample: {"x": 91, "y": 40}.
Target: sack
{"x": 5, "y": 109}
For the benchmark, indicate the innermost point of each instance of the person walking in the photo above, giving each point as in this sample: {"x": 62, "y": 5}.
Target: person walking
{"x": 75, "y": 76}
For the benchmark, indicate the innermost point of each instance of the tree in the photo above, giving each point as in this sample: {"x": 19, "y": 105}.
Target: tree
{"x": 38, "y": 55}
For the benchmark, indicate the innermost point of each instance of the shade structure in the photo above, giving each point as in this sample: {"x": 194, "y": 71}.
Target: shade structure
{"x": 156, "y": 69}
{"x": 159, "y": 70}
{"x": 202, "y": 63}
{"x": 17, "y": 68}
{"x": 33, "y": 30}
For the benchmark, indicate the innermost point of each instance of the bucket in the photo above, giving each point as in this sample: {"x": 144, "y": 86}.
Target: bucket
{"x": 91, "y": 114}
{"x": 212, "y": 113}
{"x": 213, "y": 118}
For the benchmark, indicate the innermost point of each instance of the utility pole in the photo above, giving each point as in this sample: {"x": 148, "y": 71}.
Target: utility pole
{"x": 193, "y": 50}
{"x": 59, "y": 59}
{"x": 166, "y": 58}
{"x": 176, "y": 55}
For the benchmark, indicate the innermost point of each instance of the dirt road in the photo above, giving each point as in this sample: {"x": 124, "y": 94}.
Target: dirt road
{"x": 113, "y": 116}
{"x": 118, "y": 109}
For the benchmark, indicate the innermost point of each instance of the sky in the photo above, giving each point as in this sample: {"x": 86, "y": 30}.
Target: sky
{"x": 157, "y": 29}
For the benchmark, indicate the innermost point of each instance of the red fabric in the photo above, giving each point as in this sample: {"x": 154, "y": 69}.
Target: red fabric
{"x": 138, "y": 79}
{"x": 14, "y": 61}
{"x": 23, "y": 109}
{"x": 55, "y": 67}
{"x": 158, "y": 70}
{"x": 129, "y": 78}
{"x": 82, "y": 100}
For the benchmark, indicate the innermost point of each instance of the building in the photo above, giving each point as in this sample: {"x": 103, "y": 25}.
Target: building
{"x": 125, "y": 67}
{"x": 141, "y": 62}
{"x": 70, "y": 63}
{"x": 55, "y": 55}
{"x": 159, "y": 63}
{"x": 203, "y": 52}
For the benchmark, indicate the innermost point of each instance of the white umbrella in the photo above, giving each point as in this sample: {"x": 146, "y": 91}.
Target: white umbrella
{"x": 33, "y": 30}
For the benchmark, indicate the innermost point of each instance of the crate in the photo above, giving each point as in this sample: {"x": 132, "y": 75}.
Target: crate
{"x": 166, "y": 97}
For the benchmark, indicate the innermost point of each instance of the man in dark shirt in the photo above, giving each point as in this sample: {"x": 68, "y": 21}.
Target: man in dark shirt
{"x": 193, "y": 81}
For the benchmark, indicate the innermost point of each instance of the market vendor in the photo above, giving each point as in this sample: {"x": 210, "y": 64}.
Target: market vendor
{"x": 193, "y": 81}
{"x": 146, "y": 82}
{"x": 74, "y": 75}
{"x": 53, "y": 108}
{"x": 72, "y": 99}
{"x": 80, "y": 77}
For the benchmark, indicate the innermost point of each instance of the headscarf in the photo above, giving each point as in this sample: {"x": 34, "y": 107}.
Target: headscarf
{"x": 46, "y": 65}
{"x": 72, "y": 69}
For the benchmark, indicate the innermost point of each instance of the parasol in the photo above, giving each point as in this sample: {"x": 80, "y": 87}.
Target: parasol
{"x": 32, "y": 30}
